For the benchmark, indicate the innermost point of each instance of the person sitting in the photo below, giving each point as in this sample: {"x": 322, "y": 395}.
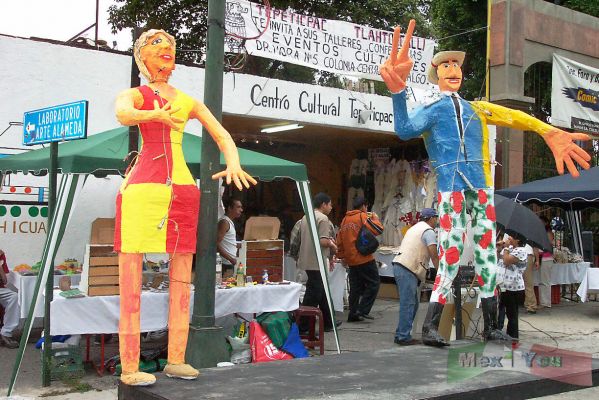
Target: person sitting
{"x": 10, "y": 302}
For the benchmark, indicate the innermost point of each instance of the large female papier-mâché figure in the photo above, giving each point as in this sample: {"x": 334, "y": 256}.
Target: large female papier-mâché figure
{"x": 158, "y": 202}
{"x": 457, "y": 141}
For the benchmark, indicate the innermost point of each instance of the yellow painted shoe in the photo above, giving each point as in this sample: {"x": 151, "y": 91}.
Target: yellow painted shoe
{"x": 138, "y": 379}
{"x": 181, "y": 371}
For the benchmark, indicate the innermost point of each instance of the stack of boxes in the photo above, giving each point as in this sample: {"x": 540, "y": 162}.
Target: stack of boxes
{"x": 261, "y": 250}
{"x": 100, "y": 275}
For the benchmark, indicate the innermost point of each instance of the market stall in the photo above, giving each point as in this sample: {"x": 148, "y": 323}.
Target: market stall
{"x": 564, "y": 273}
{"x": 572, "y": 195}
{"x": 589, "y": 284}
{"x": 73, "y": 316}
{"x": 25, "y": 287}
{"x": 103, "y": 154}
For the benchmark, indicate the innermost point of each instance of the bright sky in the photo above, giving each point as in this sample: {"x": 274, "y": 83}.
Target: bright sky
{"x": 59, "y": 20}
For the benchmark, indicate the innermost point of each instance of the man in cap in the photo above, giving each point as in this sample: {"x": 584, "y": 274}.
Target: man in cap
{"x": 457, "y": 141}
{"x": 364, "y": 280}
{"x": 418, "y": 247}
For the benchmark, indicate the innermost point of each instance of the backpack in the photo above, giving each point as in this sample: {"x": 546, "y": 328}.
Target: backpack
{"x": 366, "y": 242}
{"x": 295, "y": 240}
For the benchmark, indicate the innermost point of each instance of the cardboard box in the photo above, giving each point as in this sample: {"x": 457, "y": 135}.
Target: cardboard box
{"x": 104, "y": 261}
{"x": 103, "y": 231}
{"x": 100, "y": 275}
{"x": 262, "y": 228}
{"x": 103, "y": 280}
{"x": 103, "y": 271}
{"x": 101, "y": 250}
{"x": 388, "y": 291}
{"x": 103, "y": 291}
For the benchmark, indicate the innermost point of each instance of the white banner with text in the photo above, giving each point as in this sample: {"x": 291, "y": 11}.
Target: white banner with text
{"x": 575, "y": 95}
{"x": 328, "y": 45}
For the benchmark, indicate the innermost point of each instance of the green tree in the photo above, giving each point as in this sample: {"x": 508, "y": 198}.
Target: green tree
{"x": 186, "y": 20}
{"x": 459, "y": 25}
{"x": 590, "y": 7}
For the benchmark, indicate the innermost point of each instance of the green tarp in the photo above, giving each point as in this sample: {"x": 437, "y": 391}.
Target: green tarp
{"x": 103, "y": 153}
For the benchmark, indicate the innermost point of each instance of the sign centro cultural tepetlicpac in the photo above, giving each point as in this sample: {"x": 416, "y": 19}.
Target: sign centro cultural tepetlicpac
{"x": 575, "y": 95}
{"x": 55, "y": 124}
{"x": 336, "y": 46}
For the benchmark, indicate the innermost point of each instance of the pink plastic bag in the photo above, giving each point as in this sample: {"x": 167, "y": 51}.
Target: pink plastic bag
{"x": 262, "y": 347}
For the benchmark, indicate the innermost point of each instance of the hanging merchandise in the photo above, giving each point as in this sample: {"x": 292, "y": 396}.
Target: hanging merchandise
{"x": 430, "y": 186}
{"x": 379, "y": 187}
{"x": 357, "y": 180}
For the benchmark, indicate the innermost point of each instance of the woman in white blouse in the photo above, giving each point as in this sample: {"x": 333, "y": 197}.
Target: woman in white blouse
{"x": 511, "y": 264}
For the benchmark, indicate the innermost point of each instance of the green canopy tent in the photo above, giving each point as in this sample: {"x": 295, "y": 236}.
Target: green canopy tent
{"x": 104, "y": 154}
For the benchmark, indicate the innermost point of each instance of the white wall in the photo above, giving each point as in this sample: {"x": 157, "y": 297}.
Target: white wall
{"x": 40, "y": 74}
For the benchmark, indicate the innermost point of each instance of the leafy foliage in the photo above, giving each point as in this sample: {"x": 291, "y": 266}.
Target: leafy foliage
{"x": 454, "y": 23}
{"x": 180, "y": 18}
{"x": 584, "y": 6}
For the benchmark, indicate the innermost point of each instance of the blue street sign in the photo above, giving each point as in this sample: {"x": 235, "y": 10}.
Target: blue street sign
{"x": 55, "y": 124}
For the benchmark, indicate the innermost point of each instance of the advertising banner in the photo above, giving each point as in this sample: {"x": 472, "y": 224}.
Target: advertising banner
{"x": 575, "y": 95}
{"x": 328, "y": 45}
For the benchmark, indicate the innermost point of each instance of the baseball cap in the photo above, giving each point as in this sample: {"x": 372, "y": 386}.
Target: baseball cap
{"x": 427, "y": 213}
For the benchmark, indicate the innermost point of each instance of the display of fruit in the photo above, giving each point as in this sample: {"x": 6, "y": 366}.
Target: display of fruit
{"x": 70, "y": 266}
{"x": 22, "y": 268}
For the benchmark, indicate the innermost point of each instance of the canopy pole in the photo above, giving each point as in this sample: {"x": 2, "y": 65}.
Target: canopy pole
{"x": 304, "y": 191}
{"x": 46, "y": 364}
{"x": 70, "y": 187}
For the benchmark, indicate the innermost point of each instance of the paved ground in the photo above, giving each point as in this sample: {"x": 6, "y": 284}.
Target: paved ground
{"x": 568, "y": 325}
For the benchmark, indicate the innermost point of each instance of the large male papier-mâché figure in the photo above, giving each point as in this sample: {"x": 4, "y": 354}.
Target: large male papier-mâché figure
{"x": 457, "y": 141}
{"x": 158, "y": 202}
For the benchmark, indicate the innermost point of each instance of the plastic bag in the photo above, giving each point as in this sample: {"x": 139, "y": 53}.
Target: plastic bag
{"x": 241, "y": 353}
{"x": 262, "y": 347}
{"x": 276, "y": 325}
{"x": 294, "y": 345}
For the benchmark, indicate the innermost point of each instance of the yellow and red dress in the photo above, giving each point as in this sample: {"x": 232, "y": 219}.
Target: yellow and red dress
{"x": 158, "y": 203}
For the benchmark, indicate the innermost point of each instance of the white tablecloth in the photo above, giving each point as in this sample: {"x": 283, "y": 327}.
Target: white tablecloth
{"x": 337, "y": 281}
{"x": 25, "y": 286}
{"x": 564, "y": 274}
{"x": 100, "y": 314}
{"x": 338, "y": 284}
{"x": 590, "y": 283}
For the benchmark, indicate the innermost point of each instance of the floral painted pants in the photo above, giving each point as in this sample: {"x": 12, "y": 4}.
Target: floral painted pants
{"x": 453, "y": 207}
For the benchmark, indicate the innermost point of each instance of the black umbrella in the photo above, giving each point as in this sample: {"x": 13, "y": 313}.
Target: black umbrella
{"x": 519, "y": 221}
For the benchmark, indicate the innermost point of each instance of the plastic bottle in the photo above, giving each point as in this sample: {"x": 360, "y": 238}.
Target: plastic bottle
{"x": 240, "y": 275}
{"x": 219, "y": 270}
{"x": 265, "y": 277}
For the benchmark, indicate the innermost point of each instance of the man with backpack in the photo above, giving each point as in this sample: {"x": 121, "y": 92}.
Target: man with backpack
{"x": 364, "y": 280}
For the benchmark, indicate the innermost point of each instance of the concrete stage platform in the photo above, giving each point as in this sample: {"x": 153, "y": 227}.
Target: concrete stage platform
{"x": 415, "y": 372}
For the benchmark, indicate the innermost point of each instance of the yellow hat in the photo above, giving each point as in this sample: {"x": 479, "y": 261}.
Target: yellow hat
{"x": 441, "y": 57}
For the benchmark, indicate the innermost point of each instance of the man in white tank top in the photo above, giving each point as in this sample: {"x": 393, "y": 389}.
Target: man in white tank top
{"x": 226, "y": 238}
